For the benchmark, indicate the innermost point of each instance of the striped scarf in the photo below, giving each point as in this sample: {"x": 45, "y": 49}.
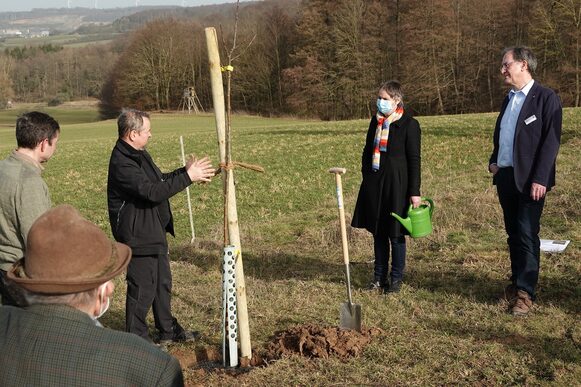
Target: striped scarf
{"x": 382, "y": 134}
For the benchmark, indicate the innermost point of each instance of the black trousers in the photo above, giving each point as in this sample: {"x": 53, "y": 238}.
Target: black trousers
{"x": 522, "y": 217}
{"x": 149, "y": 284}
{"x": 381, "y": 243}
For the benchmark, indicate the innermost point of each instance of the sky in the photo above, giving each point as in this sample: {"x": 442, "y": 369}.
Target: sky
{"x": 27, "y": 5}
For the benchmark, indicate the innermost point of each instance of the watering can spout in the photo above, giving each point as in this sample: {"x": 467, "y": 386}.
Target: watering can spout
{"x": 407, "y": 222}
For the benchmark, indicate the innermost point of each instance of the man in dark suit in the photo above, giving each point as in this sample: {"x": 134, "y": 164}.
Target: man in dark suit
{"x": 66, "y": 277}
{"x": 526, "y": 142}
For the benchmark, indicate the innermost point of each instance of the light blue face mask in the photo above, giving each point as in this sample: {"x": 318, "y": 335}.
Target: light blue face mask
{"x": 384, "y": 106}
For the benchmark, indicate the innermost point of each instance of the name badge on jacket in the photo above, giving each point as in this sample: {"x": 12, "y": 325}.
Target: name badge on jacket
{"x": 532, "y": 118}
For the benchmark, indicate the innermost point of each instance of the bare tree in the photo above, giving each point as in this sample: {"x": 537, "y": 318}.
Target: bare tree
{"x": 353, "y": 61}
{"x": 156, "y": 67}
{"x": 6, "y": 91}
{"x": 569, "y": 15}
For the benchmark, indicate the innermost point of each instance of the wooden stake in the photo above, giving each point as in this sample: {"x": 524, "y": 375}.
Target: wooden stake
{"x": 188, "y": 193}
{"x": 228, "y": 178}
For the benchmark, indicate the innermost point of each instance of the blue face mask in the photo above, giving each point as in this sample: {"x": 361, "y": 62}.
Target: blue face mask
{"x": 385, "y": 107}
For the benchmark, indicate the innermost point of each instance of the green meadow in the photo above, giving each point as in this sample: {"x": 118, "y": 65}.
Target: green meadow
{"x": 66, "y": 40}
{"x": 446, "y": 327}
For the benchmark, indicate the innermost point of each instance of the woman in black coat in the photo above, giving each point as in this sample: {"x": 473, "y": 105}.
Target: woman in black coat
{"x": 390, "y": 165}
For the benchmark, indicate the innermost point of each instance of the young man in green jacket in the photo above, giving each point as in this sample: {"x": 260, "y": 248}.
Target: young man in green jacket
{"x": 24, "y": 195}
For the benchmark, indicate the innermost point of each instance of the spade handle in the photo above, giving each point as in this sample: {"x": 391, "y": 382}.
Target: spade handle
{"x": 338, "y": 172}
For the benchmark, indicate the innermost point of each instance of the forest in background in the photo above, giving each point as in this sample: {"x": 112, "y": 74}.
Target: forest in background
{"x": 311, "y": 58}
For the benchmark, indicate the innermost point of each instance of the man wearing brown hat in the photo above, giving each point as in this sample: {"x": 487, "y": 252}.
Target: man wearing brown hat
{"x": 23, "y": 193}
{"x": 66, "y": 276}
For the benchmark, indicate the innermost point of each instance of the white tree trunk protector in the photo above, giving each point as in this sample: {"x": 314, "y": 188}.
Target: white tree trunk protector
{"x": 230, "y": 320}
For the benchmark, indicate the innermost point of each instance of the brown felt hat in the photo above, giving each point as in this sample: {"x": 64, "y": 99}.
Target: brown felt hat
{"x": 65, "y": 253}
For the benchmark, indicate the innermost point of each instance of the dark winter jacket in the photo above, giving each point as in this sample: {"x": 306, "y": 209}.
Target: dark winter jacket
{"x": 137, "y": 195}
{"x": 389, "y": 189}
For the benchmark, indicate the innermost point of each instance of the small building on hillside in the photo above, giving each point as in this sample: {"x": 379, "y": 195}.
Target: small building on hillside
{"x": 11, "y": 32}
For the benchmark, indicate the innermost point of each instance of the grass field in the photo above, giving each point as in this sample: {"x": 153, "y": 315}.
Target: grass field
{"x": 67, "y": 114}
{"x": 68, "y": 40}
{"x": 444, "y": 328}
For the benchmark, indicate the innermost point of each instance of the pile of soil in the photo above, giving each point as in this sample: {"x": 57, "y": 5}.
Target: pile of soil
{"x": 310, "y": 341}
{"x": 314, "y": 341}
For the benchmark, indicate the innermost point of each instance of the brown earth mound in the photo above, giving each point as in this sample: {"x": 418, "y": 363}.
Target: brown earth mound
{"x": 311, "y": 341}
{"x": 319, "y": 342}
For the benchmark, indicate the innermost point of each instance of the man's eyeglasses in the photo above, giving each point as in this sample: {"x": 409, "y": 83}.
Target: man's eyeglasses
{"x": 506, "y": 65}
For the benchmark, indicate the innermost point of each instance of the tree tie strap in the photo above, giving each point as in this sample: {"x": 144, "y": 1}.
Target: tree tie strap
{"x": 234, "y": 164}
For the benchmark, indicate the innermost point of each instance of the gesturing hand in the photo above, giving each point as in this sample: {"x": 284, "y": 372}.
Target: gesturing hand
{"x": 199, "y": 169}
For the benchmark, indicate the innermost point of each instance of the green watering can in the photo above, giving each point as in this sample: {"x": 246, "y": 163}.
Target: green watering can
{"x": 419, "y": 220}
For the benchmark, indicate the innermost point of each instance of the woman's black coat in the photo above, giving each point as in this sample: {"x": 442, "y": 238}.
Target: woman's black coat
{"x": 389, "y": 189}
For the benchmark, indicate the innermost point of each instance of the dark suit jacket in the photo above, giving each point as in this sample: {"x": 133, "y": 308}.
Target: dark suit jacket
{"x": 57, "y": 345}
{"x": 536, "y": 144}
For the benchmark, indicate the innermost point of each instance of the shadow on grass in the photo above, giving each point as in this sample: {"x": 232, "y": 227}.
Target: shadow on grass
{"x": 546, "y": 351}
{"x": 268, "y": 266}
{"x": 304, "y": 132}
{"x": 454, "y": 279}
{"x": 114, "y": 319}
{"x": 443, "y": 277}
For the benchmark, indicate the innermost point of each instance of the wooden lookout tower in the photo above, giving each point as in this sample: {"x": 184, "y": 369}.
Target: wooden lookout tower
{"x": 190, "y": 101}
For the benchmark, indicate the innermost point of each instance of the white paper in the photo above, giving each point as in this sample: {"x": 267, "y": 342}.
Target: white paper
{"x": 553, "y": 246}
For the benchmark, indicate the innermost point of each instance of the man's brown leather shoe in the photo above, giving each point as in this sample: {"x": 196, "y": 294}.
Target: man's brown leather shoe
{"x": 523, "y": 304}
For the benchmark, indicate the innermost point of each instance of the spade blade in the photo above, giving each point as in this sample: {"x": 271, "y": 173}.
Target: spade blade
{"x": 350, "y": 316}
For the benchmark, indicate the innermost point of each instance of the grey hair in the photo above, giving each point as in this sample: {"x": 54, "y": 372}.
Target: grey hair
{"x": 523, "y": 54}
{"x": 393, "y": 88}
{"x": 130, "y": 119}
{"x": 76, "y": 300}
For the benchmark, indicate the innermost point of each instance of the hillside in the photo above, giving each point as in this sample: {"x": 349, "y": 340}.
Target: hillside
{"x": 63, "y": 20}
{"x": 78, "y": 26}
{"x": 55, "y": 21}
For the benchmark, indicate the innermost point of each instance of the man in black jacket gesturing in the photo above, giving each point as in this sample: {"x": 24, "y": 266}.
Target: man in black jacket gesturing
{"x": 140, "y": 216}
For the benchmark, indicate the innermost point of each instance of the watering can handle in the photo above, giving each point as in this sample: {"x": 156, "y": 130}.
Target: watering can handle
{"x": 431, "y": 204}
{"x": 424, "y": 199}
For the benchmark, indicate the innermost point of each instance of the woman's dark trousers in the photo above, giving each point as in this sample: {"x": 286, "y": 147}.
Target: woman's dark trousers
{"x": 381, "y": 245}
